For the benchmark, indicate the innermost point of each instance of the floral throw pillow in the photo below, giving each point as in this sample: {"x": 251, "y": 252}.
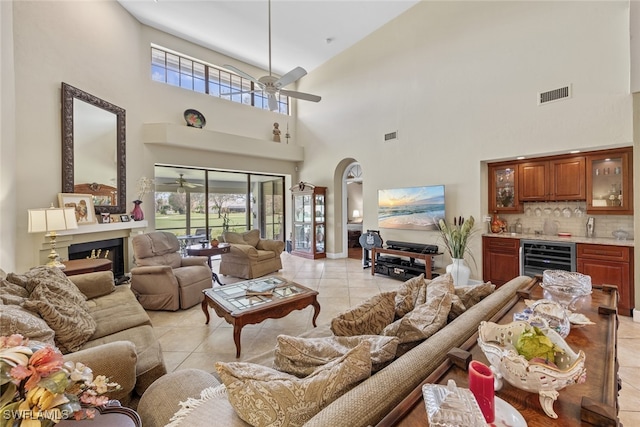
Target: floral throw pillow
{"x": 425, "y": 319}
{"x": 301, "y": 356}
{"x": 369, "y": 318}
{"x": 263, "y": 396}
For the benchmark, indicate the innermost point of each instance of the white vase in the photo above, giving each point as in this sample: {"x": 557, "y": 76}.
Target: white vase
{"x": 459, "y": 272}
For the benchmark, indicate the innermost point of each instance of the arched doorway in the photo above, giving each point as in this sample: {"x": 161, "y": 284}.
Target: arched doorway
{"x": 353, "y": 212}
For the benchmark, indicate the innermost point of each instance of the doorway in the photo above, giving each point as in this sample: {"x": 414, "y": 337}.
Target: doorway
{"x": 355, "y": 212}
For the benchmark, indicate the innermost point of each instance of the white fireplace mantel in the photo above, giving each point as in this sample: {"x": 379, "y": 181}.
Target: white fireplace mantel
{"x": 104, "y": 228}
{"x": 92, "y": 233}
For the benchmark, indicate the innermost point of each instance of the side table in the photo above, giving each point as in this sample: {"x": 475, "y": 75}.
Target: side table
{"x": 86, "y": 265}
{"x": 209, "y": 251}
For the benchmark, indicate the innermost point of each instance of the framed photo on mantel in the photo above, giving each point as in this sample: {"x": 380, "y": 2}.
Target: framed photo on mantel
{"x": 82, "y": 204}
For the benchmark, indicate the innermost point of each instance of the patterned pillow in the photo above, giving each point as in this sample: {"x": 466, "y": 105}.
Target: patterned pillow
{"x": 61, "y": 304}
{"x": 12, "y": 294}
{"x": 263, "y": 396}
{"x": 369, "y": 318}
{"x": 471, "y": 295}
{"x": 407, "y": 294}
{"x": 17, "y": 320}
{"x": 301, "y": 356}
{"x": 425, "y": 319}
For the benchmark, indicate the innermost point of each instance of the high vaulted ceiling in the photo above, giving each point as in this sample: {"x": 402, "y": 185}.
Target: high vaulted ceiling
{"x": 305, "y": 33}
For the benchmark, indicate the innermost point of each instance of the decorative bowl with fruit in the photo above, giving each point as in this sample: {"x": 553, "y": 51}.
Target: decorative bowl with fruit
{"x": 532, "y": 359}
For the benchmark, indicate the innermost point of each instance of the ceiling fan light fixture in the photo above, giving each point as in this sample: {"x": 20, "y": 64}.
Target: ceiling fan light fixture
{"x": 181, "y": 190}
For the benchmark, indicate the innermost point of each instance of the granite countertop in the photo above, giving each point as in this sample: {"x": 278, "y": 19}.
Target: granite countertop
{"x": 574, "y": 239}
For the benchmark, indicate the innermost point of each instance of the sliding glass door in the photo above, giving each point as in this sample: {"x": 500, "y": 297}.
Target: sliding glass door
{"x": 203, "y": 203}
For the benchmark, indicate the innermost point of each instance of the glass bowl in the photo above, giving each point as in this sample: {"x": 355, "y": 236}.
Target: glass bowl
{"x": 565, "y": 287}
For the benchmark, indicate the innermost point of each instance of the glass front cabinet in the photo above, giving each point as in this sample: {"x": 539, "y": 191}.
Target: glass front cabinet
{"x": 503, "y": 188}
{"x": 308, "y": 238}
{"x": 609, "y": 182}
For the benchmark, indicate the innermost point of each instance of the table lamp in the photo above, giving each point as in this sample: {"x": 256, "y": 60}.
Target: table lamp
{"x": 51, "y": 220}
{"x": 356, "y": 214}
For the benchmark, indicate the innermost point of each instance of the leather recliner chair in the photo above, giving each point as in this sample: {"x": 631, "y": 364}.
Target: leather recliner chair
{"x": 162, "y": 278}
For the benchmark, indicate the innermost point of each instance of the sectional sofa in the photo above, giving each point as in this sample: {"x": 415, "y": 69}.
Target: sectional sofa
{"x": 90, "y": 320}
{"x": 195, "y": 397}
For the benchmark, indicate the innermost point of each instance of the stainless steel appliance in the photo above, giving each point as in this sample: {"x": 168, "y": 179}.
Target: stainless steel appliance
{"x": 539, "y": 255}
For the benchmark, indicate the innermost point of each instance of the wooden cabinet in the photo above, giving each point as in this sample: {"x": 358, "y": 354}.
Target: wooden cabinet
{"x": 609, "y": 265}
{"x": 503, "y": 188}
{"x": 555, "y": 179}
{"x": 500, "y": 259}
{"x": 610, "y": 182}
{"x": 309, "y": 221}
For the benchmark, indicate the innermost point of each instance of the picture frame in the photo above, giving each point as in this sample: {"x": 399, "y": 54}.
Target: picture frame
{"x": 125, "y": 218}
{"x": 82, "y": 204}
{"x": 411, "y": 208}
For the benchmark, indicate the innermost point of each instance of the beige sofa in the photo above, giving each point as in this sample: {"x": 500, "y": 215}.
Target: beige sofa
{"x": 250, "y": 256}
{"x": 115, "y": 338}
{"x": 365, "y": 404}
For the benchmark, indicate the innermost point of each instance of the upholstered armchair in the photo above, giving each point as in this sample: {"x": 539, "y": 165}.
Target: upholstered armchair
{"x": 162, "y": 279}
{"x": 250, "y": 256}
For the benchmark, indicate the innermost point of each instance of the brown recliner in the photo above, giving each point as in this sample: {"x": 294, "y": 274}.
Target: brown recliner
{"x": 162, "y": 279}
{"x": 250, "y": 256}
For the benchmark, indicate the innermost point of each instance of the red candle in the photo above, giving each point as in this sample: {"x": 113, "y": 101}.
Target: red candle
{"x": 481, "y": 385}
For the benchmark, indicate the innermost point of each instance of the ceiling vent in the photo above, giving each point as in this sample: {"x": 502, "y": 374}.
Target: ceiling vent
{"x": 390, "y": 136}
{"x": 554, "y": 95}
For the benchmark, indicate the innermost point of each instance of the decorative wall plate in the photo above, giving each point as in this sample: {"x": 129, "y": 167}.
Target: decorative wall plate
{"x": 194, "y": 118}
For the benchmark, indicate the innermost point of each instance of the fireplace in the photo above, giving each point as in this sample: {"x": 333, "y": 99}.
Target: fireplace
{"x": 112, "y": 248}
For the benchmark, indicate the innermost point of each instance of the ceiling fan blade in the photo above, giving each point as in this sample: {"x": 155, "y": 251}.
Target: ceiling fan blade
{"x": 300, "y": 95}
{"x": 290, "y": 77}
{"x": 273, "y": 102}
{"x": 242, "y": 74}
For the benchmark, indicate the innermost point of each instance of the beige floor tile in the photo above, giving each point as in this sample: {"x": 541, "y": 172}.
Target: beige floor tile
{"x": 188, "y": 343}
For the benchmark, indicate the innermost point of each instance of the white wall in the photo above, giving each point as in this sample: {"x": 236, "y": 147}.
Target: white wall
{"x": 98, "y": 47}
{"x": 7, "y": 141}
{"x": 458, "y": 80}
{"x": 634, "y": 32}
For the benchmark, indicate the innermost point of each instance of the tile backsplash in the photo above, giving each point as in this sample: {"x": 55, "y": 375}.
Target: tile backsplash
{"x": 535, "y": 214}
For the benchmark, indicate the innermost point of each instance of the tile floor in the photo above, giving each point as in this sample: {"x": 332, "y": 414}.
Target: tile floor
{"x": 188, "y": 343}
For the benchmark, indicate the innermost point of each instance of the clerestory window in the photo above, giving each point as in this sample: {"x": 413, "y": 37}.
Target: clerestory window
{"x": 178, "y": 70}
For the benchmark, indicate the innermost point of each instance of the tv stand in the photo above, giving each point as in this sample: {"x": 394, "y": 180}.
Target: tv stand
{"x": 401, "y": 269}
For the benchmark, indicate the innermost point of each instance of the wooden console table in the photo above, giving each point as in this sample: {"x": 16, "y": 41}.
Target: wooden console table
{"x": 411, "y": 255}
{"x": 592, "y": 403}
{"x": 86, "y": 265}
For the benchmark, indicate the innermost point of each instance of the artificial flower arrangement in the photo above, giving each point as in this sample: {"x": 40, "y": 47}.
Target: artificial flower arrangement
{"x": 40, "y": 388}
{"x": 144, "y": 186}
{"x": 456, "y": 237}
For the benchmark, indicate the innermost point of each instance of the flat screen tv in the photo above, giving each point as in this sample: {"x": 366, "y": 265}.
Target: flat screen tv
{"x": 411, "y": 208}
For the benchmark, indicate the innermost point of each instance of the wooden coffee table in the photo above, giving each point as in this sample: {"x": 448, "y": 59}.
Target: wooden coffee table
{"x": 232, "y": 304}
{"x": 209, "y": 251}
{"x": 592, "y": 403}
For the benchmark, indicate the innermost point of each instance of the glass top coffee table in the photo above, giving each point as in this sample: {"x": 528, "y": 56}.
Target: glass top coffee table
{"x": 254, "y": 301}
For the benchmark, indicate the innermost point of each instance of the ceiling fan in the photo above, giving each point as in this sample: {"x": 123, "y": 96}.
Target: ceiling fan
{"x": 273, "y": 85}
{"x": 182, "y": 183}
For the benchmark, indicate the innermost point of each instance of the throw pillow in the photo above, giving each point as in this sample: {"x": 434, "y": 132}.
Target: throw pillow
{"x": 17, "y": 320}
{"x": 12, "y": 294}
{"x": 369, "y": 318}
{"x": 263, "y": 396}
{"x": 301, "y": 356}
{"x": 407, "y": 294}
{"x": 471, "y": 295}
{"x": 252, "y": 237}
{"x": 59, "y": 302}
{"x": 425, "y": 319}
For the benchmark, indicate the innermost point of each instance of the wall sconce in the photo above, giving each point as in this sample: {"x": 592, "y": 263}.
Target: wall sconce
{"x": 51, "y": 220}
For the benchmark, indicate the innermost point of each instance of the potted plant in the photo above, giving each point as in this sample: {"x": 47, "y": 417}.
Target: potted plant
{"x": 456, "y": 240}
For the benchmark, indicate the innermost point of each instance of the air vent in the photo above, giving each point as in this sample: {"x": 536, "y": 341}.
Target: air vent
{"x": 390, "y": 136}
{"x": 554, "y": 95}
